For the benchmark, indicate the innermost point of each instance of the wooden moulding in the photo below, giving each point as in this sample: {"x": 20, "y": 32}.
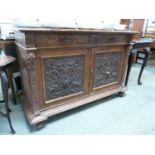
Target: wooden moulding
{"x": 43, "y": 116}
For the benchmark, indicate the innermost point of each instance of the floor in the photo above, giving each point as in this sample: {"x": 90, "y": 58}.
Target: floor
{"x": 132, "y": 114}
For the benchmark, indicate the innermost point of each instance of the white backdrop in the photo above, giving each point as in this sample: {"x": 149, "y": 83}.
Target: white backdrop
{"x": 69, "y": 9}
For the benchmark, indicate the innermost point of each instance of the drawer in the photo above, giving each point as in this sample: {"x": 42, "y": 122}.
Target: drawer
{"x": 74, "y": 39}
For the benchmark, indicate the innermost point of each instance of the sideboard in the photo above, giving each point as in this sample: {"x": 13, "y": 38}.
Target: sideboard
{"x": 65, "y": 68}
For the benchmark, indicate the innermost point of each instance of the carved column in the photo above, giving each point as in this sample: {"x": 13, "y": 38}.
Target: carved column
{"x": 30, "y": 61}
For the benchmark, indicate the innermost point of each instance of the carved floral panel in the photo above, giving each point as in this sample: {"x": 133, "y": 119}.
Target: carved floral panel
{"x": 106, "y": 68}
{"x": 63, "y": 76}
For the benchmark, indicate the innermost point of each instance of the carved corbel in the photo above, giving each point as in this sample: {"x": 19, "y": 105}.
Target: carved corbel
{"x": 30, "y": 61}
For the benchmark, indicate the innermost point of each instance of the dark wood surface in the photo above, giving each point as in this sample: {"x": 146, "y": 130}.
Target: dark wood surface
{"x": 6, "y": 60}
{"x": 64, "y": 69}
{"x": 6, "y": 63}
{"x": 78, "y": 30}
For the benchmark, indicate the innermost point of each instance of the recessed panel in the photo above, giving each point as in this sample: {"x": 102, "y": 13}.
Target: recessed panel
{"x": 63, "y": 76}
{"x": 106, "y": 68}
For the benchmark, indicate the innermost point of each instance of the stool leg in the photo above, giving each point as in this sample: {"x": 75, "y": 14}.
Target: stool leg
{"x": 4, "y": 82}
{"x": 147, "y": 53}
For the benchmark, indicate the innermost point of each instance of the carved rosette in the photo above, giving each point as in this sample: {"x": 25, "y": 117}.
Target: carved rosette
{"x": 30, "y": 65}
{"x": 106, "y": 68}
{"x": 63, "y": 76}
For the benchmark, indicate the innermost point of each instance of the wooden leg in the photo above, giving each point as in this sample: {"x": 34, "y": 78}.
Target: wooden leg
{"x": 8, "y": 117}
{"x": 39, "y": 125}
{"x": 10, "y": 77}
{"x": 129, "y": 69}
{"x": 147, "y": 53}
{"x": 4, "y": 82}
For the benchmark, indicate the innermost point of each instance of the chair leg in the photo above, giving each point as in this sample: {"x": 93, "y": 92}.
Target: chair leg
{"x": 128, "y": 69}
{"x": 147, "y": 53}
{"x": 4, "y": 82}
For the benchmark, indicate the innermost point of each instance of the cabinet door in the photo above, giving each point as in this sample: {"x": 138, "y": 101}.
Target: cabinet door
{"x": 64, "y": 75}
{"x": 107, "y": 67}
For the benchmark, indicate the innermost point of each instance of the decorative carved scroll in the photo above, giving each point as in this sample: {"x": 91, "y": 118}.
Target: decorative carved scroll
{"x": 63, "y": 76}
{"x": 106, "y": 68}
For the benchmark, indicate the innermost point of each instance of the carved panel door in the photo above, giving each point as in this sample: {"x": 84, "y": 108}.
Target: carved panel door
{"x": 107, "y": 68}
{"x": 65, "y": 75}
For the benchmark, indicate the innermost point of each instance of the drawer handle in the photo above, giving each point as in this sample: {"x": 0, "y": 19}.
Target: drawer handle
{"x": 112, "y": 38}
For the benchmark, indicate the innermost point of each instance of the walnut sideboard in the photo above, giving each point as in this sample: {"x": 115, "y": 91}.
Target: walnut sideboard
{"x": 65, "y": 68}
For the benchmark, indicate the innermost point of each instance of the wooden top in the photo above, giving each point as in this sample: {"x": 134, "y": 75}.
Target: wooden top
{"x": 143, "y": 40}
{"x": 5, "y": 60}
{"x": 75, "y": 30}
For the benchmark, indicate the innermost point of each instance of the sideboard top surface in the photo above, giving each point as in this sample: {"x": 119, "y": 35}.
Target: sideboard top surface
{"x": 75, "y": 30}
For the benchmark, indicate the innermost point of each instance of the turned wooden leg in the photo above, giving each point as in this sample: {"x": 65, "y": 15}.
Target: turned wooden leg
{"x": 10, "y": 77}
{"x": 147, "y": 53}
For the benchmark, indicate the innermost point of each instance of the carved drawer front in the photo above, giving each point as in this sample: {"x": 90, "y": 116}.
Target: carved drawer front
{"x": 64, "y": 77}
{"x": 74, "y": 39}
{"x": 106, "y": 68}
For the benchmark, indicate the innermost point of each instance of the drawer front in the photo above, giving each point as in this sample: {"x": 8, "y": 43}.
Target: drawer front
{"x": 74, "y": 39}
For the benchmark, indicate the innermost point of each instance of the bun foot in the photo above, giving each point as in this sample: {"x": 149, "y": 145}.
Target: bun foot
{"x": 121, "y": 94}
{"x": 39, "y": 125}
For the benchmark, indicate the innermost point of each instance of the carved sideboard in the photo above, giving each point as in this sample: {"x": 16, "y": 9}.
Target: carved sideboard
{"x": 65, "y": 68}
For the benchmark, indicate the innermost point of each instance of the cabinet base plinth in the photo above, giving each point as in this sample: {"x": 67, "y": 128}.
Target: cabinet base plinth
{"x": 38, "y": 121}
